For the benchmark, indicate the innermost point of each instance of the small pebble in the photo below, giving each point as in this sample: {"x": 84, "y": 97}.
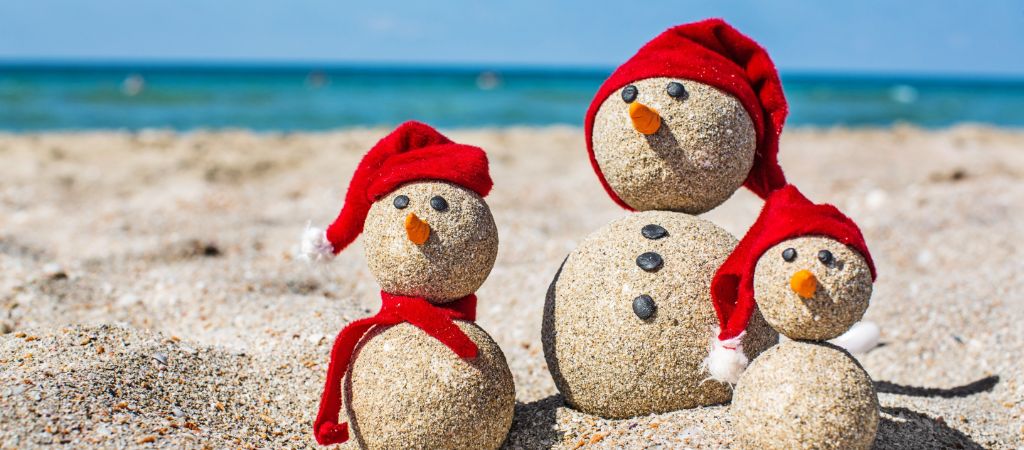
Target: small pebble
{"x": 211, "y": 250}
{"x": 653, "y": 231}
{"x": 439, "y": 203}
{"x": 160, "y": 358}
{"x": 649, "y": 261}
{"x": 789, "y": 254}
{"x": 54, "y": 271}
{"x": 401, "y": 202}
{"x": 675, "y": 90}
{"x": 629, "y": 93}
{"x": 644, "y": 307}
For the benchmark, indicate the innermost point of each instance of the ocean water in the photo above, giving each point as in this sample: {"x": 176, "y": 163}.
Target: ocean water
{"x": 35, "y": 97}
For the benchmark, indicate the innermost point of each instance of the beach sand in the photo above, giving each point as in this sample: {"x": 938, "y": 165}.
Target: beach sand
{"x": 151, "y": 297}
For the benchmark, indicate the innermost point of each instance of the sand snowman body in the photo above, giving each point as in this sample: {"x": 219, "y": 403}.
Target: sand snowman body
{"x": 805, "y": 395}
{"x": 407, "y": 390}
{"x": 607, "y": 359}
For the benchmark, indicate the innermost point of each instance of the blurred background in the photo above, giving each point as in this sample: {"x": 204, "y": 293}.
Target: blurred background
{"x": 318, "y": 64}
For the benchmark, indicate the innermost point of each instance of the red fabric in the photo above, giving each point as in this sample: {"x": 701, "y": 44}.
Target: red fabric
{"x": 413, "y": 152}
{"x": 435, "y": 320}
{"x": 711, "y": 52}
{"x": 787, "y": 214}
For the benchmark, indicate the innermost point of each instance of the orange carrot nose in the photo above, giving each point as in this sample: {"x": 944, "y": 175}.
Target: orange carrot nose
{"x": 803, "y": 283}
{"x": 645, "y": 119}
{"x": 417, "y": 230}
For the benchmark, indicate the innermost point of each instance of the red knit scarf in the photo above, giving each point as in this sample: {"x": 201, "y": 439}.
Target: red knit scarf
{"x": 435, "y": 320}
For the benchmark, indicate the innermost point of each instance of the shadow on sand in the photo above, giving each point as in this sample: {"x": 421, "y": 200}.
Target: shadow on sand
{"x": 904, "y": 428}
{"x": 534, "y": 425}
{"x": 983, "y": 385}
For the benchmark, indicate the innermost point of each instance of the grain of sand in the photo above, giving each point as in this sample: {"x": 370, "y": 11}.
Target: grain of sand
{"x": 179, "y": 247}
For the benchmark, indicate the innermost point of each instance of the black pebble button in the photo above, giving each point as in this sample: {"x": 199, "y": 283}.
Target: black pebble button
{"x": 644, "y": 307}
{"x": 649, "y": 261}
{"x": 653, "y": 231}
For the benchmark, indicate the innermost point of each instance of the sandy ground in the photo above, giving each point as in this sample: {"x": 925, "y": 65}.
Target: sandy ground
{"x": 150, "y": 297}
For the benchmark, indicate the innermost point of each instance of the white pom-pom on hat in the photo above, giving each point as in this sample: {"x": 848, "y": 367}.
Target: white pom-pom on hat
{"x": 726, "y": 360}
{"x": 862, "y": 337}
{"x": 315, "y": 246}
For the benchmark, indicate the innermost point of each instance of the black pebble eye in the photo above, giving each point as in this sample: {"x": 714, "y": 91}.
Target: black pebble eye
{"x": 825, "y": 257}
{"x": 676, "y": 90}
{"x": 401, "y": 202}
{"x": 789, "y": 254}
{"x": 629, "y": 94}
{"x": 439, "y": 203}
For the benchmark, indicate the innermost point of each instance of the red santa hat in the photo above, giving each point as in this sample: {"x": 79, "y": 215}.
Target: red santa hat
{"x": 413, "y": 152}
{"x": 711, "y": 52}
{"x": 787, "y": 214}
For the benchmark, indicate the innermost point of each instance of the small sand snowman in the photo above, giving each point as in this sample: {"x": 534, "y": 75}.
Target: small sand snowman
{"x": 807, "y": 268}
{"x": 674, "y": 132}
{"x": 421, "y": 374}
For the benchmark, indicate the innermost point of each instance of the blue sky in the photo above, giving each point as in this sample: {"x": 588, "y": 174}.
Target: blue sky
{"x": 917, "y": 37}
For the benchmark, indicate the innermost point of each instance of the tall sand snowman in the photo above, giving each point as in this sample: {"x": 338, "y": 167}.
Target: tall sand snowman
{"x": 420, "y": 373}
{"x": 807, "y": 268}
{"x": 672, "y": 133}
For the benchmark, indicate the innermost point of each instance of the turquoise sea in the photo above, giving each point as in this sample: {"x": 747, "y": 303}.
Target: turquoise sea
{"x": 35, "y": 97}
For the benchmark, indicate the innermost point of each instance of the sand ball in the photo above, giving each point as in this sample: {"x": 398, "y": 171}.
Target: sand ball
{"x": 628, "y": 318}
{"x": 805, "y": 395}
{"x": 843, "y": 288}
{"x": 408, "y": 390}
{"x": 456, "y": 257}
{"x": 698, "y": 158}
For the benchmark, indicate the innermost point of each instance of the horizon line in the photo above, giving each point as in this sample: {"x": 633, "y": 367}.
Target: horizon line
{"x": 412, "y": 67}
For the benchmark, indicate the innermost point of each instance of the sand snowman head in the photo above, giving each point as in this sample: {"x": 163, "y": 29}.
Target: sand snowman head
{"x": 430, "y": 239}
{"x": 418, "y": 197}
{"x": 685, "y": 122}
{"x": 812, "y": 287}
{"x": 805, "y": 266}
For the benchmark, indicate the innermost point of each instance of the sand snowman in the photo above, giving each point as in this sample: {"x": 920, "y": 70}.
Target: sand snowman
{"x": 673, "y": 132}
{"x": 421, "y": 374}
{"x": 807, "y": 268}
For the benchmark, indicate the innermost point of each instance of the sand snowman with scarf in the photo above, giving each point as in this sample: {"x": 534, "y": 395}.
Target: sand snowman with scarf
{"x": 420, "y": 373}
{"x": 629, "y": 325}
